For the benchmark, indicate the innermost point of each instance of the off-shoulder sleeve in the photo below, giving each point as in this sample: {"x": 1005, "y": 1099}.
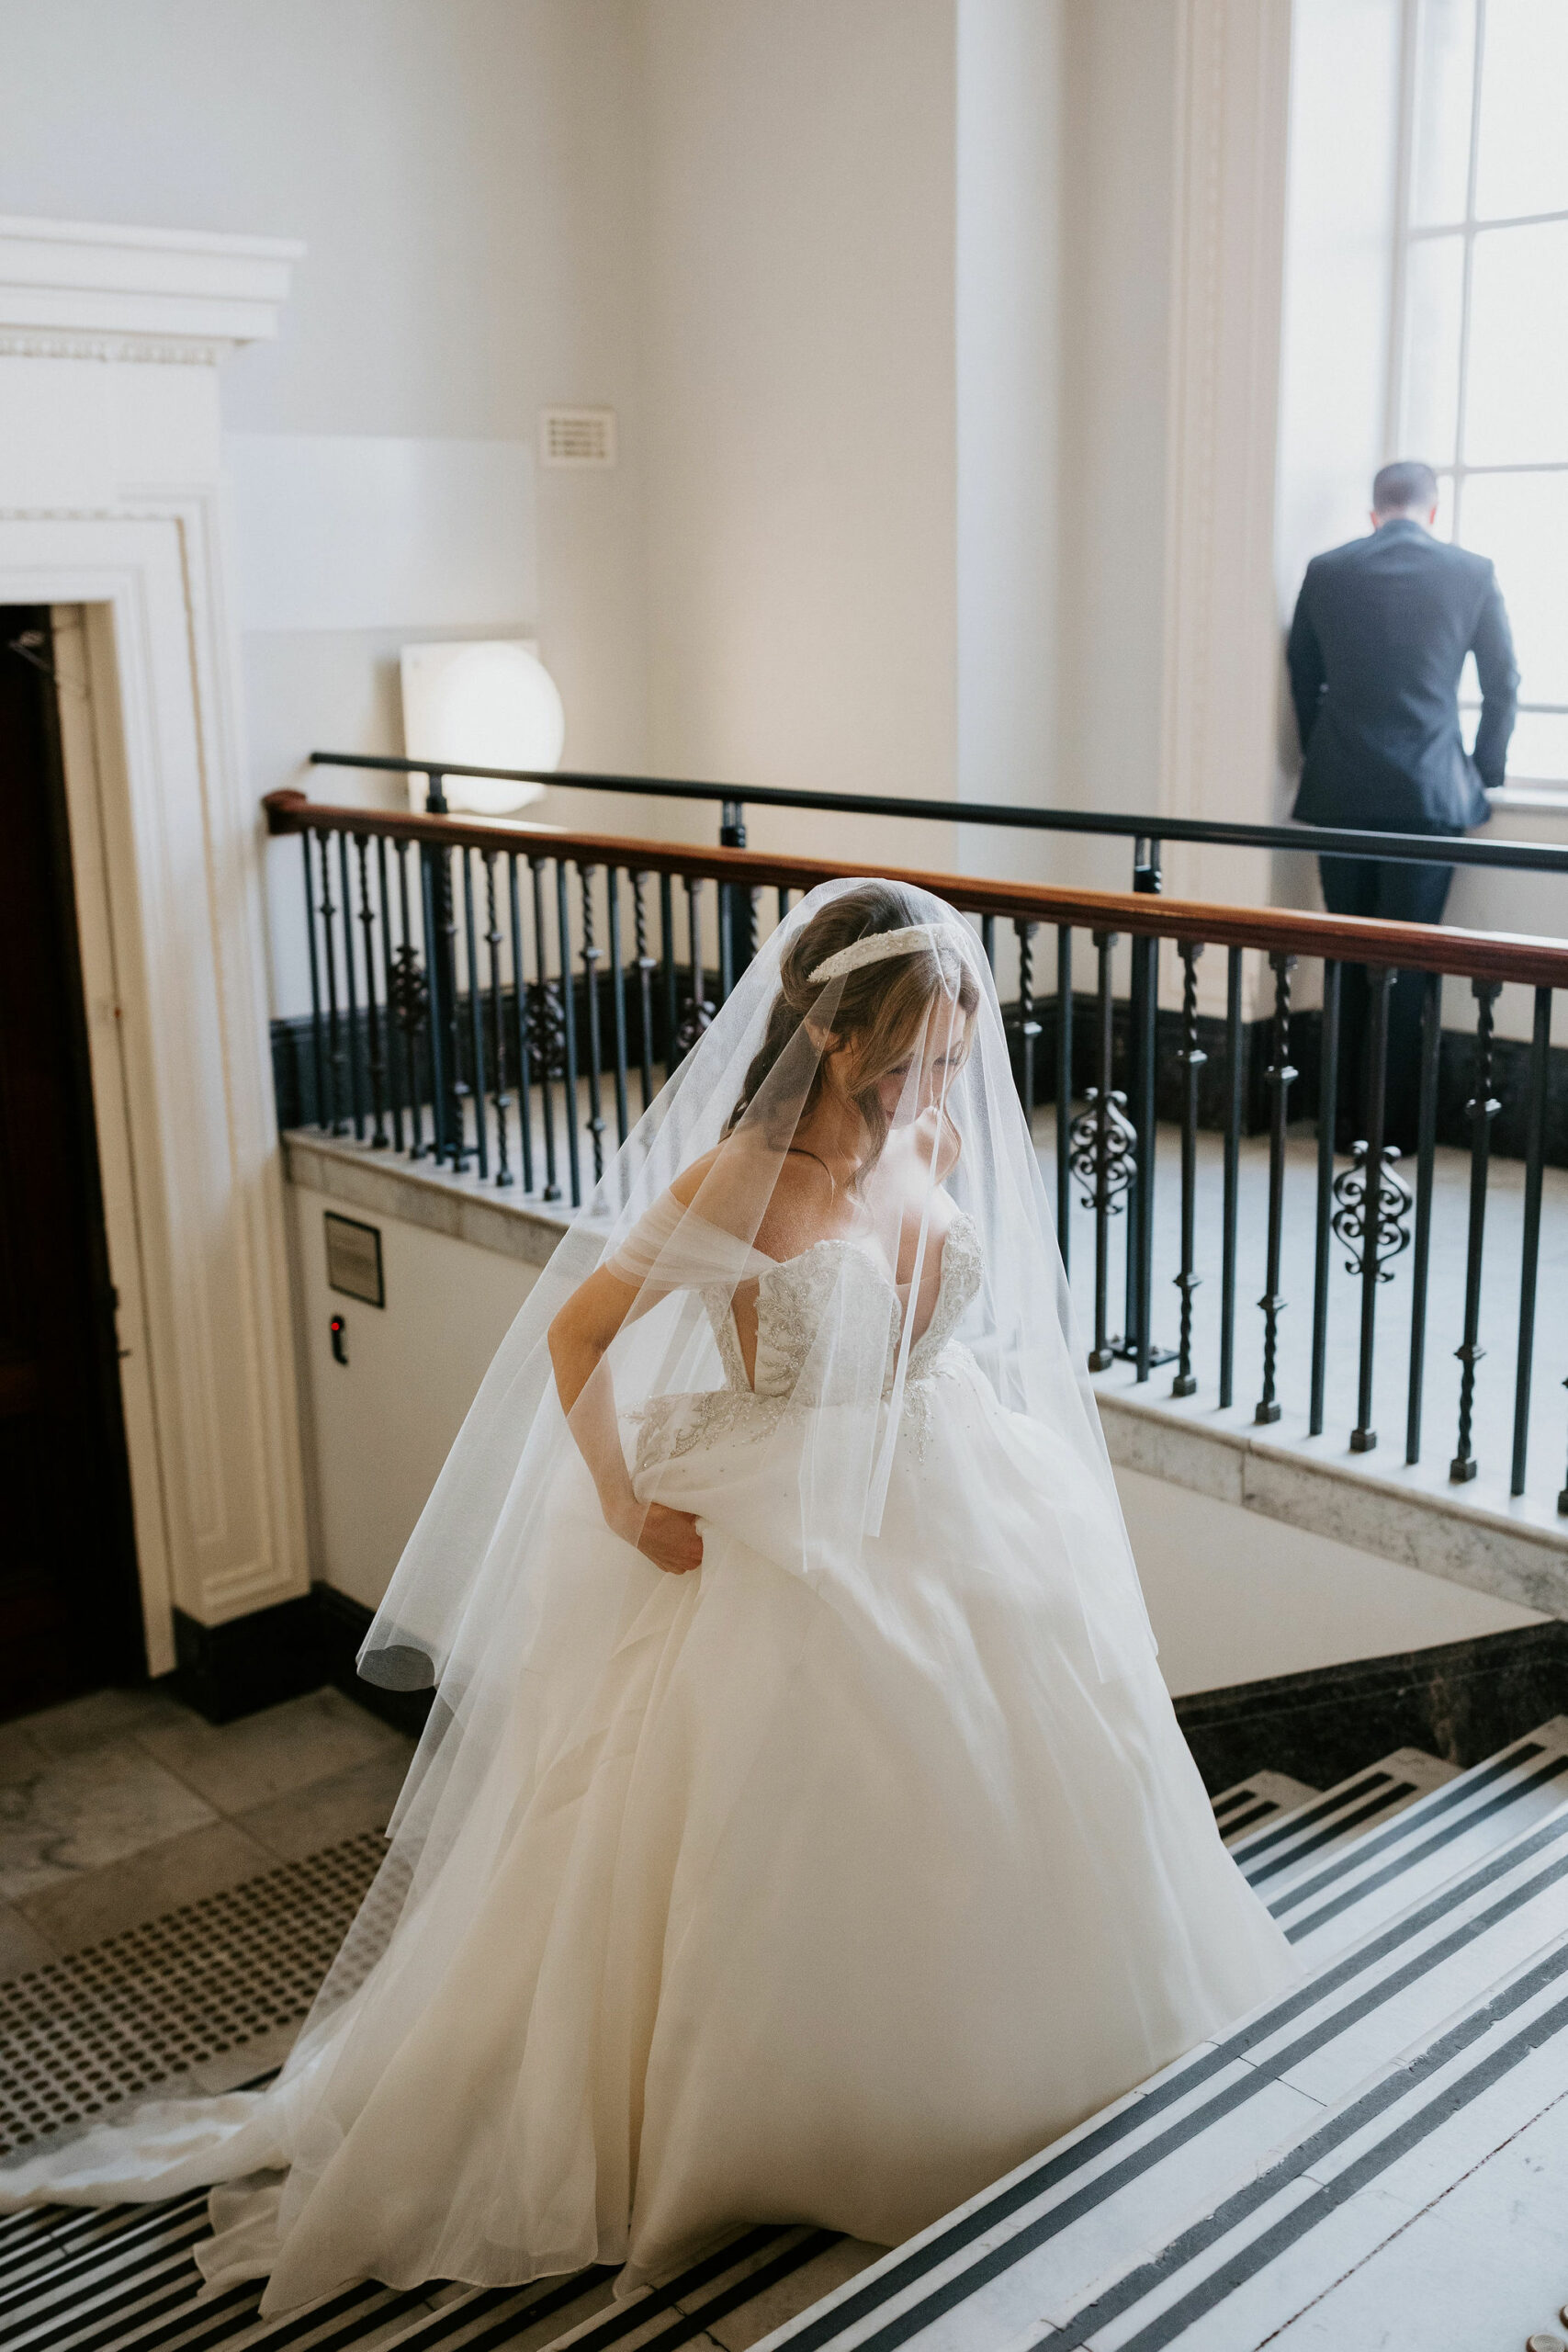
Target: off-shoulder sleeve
{"x": 674, "y": 1248}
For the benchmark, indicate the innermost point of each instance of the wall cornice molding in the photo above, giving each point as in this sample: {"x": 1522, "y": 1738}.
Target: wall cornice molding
{"x": 78, "y": 289}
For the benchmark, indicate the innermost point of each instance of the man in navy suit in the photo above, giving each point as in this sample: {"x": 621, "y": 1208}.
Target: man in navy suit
{"x": 1381, "y": 632}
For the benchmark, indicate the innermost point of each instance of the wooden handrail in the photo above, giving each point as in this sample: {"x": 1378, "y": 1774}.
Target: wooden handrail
{"x": 1351, "y": 939}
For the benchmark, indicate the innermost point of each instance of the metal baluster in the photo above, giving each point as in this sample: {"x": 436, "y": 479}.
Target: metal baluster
{"x": 1191, "y": 1061}
{"x": 1534, "y": 1156}
{"x": 1327, "y": 1101}
{"x": 699, "y": 1011}
{"x": 645, "y": 970}
{"x": 617, "y": 997}
{"x": 1279, "y": 1078}
{"x": 988, "y": 941}
{"x": 441, "y": 961}
{"x": 545, "y": 1030}
{"x": 475, "y": 1017}
{"x": 1101, "y": 1114}
{"x": 785, "y": 897}
{"x": 1141, "y": 1046}
{"x": 737, "y": 906}
{"x": 1064, "y": 1089}
{"x": 1140, "y": 1329}
{"x": 389, "y": 977}
{"x": 1028, "y": 1027}
{"x": 1426, "y": 1160}
{"x": 521, "y": 1032}
{"x": 672, "y": 1006}
{"x": 1481, "y": 1110}
{"x": 378, "y": 1067}
{"x": 318, "y": 1059}
{"x": 1379, "y": 981}
{"x": 592, "y": 954}
{"x": 351, "y": 991}
{"x": 337, "y": 1125}
{"x": 1232, "y": 1177}
{"x": 568, "y": 1032}
{"x": 498, "y": 1024}
{"x": 440, "y": 1091}
{"x": 410, "y": 990}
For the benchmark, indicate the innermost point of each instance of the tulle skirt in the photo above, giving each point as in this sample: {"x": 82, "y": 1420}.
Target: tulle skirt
{"x": 829, "y": 1905}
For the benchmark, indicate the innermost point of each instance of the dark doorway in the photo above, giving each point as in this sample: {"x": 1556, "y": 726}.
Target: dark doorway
{"x": 69, "y": 1614}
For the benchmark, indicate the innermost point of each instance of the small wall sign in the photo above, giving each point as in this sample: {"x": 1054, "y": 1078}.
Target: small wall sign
{"x": 354, "y": 1259}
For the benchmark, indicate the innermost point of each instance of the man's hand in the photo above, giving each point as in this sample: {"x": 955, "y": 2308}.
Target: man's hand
{"x": 669, "y": 1538}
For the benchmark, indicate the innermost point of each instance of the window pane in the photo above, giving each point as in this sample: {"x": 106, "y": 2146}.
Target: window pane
{"x": 1523, "y": 163}
{"x": 1521, "y": 521}
{"x": 1515, "y": 413}
{"x": 1434, "y": 285}
{"x": 1538, "y": 751}
{"x": 1445, "y": 59}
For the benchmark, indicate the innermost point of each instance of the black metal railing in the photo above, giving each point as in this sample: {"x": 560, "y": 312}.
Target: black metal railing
{"x": 504, "y": 1001}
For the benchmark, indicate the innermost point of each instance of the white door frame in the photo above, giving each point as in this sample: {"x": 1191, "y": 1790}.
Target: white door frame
{"x": 110, "y": 515}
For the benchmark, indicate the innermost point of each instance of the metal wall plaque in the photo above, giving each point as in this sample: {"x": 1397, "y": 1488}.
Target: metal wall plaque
{"x": 354, "y": 1259}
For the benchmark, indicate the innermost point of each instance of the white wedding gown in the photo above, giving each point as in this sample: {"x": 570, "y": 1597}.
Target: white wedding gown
{"x": 830, "y": 1907}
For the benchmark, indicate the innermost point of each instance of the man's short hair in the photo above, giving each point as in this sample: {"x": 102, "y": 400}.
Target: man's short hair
{"x": 1404, "y": 488}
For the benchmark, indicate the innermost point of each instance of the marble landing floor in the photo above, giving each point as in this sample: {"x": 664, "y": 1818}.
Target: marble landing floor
{"x": 122, "y": 1806}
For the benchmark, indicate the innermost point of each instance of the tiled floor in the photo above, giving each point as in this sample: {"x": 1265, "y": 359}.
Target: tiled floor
{"x": 117, "y": 1808}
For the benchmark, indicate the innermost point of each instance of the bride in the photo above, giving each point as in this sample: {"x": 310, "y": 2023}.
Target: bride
{"x": 802, "y": 1833}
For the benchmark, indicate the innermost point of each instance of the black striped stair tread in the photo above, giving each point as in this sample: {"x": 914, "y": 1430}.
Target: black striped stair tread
{"x": 1266, "y": 1797}
{"x": 1045, "y": 2235}
{"x": 1272, "y": 1852}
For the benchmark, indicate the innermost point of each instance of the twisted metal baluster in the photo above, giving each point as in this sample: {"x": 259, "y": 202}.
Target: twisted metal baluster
{"x": 569, "y": 1031}
{"x": 545, "y": 1031}
{"x": 1279, "y": 1078}
{"x": 644, "y": 971}
{"x": 1327, "y": 1112}
{"x": 318, "y": 1058}
{"x": 617, "y": 997}
{"x": 1529, "y": 1254}
{"x": 475, "y": 1017}
{"x": 351, "y": 991}
{"x": 1192, "y": 1062}
{"x": 500, "y": 1097}
{"x": 592, "y": 955}
{"x": 372, "y": 1011}
{"x": 523, "y": 1036}
{"x": 1064, "y": 1089}
{"x": 410, "y": 990}
{"x": 1481, "y": 1110}
{"x": 337, "y": 1125}
{"x": 394, "y": 1090}
{"x": 1028, "y": 1027}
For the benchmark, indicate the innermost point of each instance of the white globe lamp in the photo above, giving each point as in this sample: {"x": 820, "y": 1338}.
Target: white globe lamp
{"x": 488, "y": 704}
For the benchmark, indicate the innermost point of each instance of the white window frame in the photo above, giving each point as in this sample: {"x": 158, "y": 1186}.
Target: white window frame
{"x": 1457, "y": 473}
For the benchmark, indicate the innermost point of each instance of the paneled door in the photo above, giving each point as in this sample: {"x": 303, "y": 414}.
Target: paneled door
{"x": 69, "y": 1614}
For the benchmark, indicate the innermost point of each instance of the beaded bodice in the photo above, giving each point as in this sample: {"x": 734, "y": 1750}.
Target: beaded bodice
{"x": 792, "y": 1295}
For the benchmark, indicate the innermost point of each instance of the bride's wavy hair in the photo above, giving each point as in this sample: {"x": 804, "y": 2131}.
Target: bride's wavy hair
{"x": 878, "y": 1011}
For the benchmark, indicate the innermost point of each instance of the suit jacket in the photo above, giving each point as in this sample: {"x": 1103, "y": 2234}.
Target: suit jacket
{"x": 1381, "y": 631}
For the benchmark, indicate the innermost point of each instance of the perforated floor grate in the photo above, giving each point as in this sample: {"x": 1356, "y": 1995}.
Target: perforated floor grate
{"x": 149, "y": 2005}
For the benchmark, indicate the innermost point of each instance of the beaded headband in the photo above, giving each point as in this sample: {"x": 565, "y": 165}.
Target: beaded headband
{"x": 877, "y": 945}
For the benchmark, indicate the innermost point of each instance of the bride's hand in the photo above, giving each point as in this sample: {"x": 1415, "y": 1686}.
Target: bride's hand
{"x": 669, "y": 1538}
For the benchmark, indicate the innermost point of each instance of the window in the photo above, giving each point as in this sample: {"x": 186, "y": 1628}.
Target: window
{"x": 1480, "y": 374}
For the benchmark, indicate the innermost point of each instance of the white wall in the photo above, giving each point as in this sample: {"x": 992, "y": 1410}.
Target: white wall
{"x": 1236, "y": 1598}
{"x": 1009, "y": 335}
{"x": 379, "y": 1428}
{"x": 800, "y": 401}
{"x": 1119, "y": 165}
{"x": 465, "y": 175}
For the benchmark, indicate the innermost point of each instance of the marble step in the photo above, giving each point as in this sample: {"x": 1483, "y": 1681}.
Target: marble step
{"x": 1124, "y": 2184}
{"x": 1452, "y": 2158}
{"x": 1327, "y": 1819}
{"x": 1327, "y": 1895}
{"x": 1265, "y": 1797}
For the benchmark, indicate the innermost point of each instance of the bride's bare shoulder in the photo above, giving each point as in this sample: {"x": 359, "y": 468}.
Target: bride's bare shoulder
{"x": 744, "y": 1188}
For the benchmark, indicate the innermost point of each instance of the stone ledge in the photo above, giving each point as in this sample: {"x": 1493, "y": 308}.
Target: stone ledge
{"x": 1507, "y": 1553}
{"x": 1514, "y": 1552}
{"x": 463, "y": 1207}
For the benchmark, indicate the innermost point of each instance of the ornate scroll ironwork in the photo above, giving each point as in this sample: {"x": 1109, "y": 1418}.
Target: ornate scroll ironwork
{"x": 1396, "y": 1201}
